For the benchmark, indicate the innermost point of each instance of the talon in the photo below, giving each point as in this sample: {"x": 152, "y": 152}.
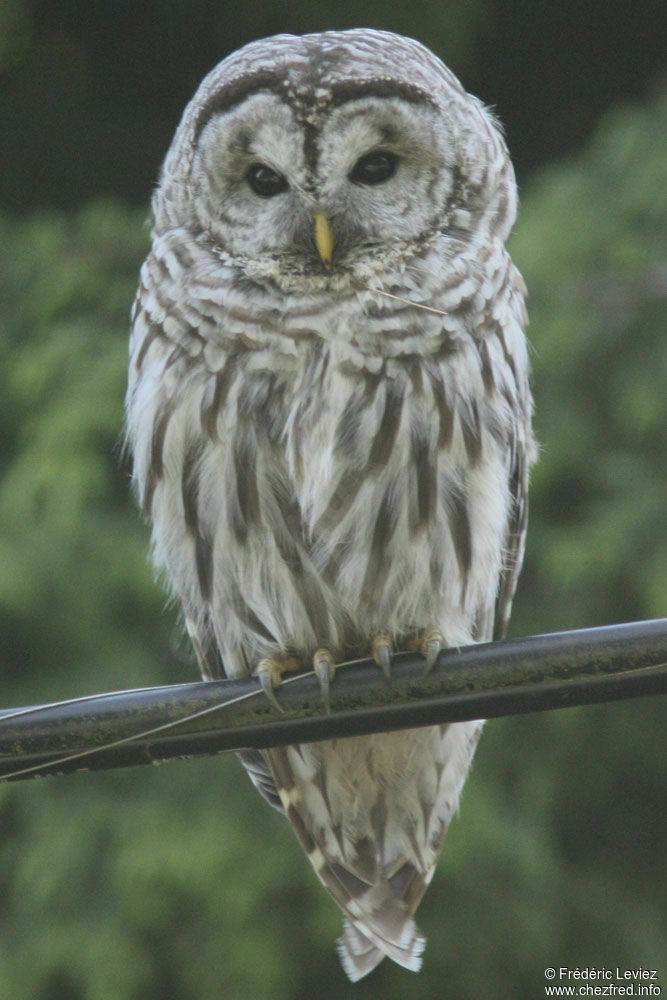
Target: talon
{"x": 266, "y": 674}
{"x": 382, "y": 652}
{"x": 269, "y": 673}
{"x": 430, "y": 644}
{"x": 325, "y": 668}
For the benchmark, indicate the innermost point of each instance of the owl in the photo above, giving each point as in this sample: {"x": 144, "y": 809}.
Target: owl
{"x": 330, "y": 420}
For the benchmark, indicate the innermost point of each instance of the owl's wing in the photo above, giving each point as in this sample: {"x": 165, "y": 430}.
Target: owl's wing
{"x": 259, "y": 772}
{"x": 515, "y": 541}
{"x": 206, "y": 650}
{"x": 254, "y": 761}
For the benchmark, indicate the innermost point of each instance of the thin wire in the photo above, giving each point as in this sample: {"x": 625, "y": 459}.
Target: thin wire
{"x": 409, "y": 302}
{"x": 17, "y": 713}
{"x": 172, "y": 724}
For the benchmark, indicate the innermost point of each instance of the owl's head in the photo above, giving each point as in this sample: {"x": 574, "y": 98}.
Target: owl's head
{"x": 320, "y": 157}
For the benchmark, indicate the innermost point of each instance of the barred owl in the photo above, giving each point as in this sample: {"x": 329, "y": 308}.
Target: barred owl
{"x": 329, "y": 416}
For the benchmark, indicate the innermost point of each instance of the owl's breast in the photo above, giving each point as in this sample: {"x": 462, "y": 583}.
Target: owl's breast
{"x": 320, "y": 470}
{"x": 402, "y": 488}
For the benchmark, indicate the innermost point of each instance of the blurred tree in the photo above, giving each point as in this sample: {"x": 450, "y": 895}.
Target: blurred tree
{"x": 178, "y": 883}
{"x": 592, "y": 245}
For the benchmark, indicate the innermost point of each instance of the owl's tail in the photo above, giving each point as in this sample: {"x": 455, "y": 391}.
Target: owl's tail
{"x": 359, "y": 955}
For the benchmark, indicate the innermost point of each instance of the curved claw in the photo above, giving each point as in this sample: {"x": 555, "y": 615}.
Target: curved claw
{"x": 431, "y": 644}
{"x": 382, "y": 652}
{"x": 268, "y": 674}
{"x": 325, "y": 668}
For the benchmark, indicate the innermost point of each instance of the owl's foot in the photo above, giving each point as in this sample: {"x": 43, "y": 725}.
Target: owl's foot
{"x": 270, "y": 672}
{"x": 429, "y": 644}
{"x": 325, "y": 668}
{"x": 382, "y": 650}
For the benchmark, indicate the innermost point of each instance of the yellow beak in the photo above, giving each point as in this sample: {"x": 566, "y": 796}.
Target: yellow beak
{"x": 323, "y": 238}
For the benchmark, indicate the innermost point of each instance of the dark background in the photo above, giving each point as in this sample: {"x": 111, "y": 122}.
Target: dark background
{"x": 92, "y": 91}
{"x": 179, "y": 883}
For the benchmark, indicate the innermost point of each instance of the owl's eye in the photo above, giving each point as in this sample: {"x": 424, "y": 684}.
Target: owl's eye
{"x": 374, "y": 168}
{"x": 264, "y": 181}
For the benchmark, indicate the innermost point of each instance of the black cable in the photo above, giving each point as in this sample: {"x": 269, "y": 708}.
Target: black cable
{"x": 532, "y": 674}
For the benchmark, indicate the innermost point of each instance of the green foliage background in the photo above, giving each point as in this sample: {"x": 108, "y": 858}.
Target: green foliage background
{"x": 179, "y": 882}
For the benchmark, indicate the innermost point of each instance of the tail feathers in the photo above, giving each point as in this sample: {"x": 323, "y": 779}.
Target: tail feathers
{"x": 357, "y": 954}
{"x": 360, "y": 954}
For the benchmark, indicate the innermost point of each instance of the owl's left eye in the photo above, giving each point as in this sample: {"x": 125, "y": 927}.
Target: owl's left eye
{"x": 264, "y": 181}
{"x": 374, "y": 168}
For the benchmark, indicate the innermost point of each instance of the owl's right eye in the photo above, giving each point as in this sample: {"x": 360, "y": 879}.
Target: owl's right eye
{"x": 264, "y": 181}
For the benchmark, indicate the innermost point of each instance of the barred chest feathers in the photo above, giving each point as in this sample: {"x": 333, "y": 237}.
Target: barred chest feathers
{"x": 309, "y": 473}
